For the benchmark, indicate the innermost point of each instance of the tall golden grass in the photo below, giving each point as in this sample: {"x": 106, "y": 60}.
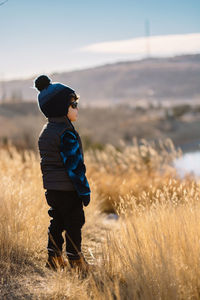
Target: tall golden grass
{"x": 150, "y": 252}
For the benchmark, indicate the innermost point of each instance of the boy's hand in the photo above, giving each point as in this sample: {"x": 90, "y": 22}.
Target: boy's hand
{"x": 85, "y": 199}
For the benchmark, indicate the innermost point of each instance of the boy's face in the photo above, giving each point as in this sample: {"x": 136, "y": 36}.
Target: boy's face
{"x": 72, "y": 112}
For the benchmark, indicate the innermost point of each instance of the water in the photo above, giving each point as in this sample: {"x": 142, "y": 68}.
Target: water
{"x": 188, "y": 163}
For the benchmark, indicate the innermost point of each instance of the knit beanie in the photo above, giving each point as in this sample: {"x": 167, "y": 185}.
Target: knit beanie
{"x": 54, "y": 98}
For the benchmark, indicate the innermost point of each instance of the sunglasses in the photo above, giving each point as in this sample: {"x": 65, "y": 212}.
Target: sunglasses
{"x": 74, "y": 104}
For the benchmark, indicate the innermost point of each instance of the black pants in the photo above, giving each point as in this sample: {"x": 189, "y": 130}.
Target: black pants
{"x": 67, "y": 215}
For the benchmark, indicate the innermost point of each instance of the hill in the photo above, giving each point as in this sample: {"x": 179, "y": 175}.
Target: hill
{"x": 159, "y": 79}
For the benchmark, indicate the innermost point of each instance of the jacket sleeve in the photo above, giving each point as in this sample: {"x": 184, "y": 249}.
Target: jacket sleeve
{"x": 74, "y": 165}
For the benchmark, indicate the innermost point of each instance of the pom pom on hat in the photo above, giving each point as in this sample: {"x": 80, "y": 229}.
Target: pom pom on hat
{"x": 42, "y": 82}
{"x": 54, "y": 98}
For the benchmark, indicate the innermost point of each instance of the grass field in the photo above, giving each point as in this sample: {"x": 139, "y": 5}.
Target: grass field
{"x": 150, "y": 252}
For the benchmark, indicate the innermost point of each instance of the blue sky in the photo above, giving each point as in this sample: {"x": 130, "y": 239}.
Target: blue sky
{"x": 48, "y": 36}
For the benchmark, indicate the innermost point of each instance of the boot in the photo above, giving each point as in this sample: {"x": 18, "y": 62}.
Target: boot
{"x": 56, "y": 263}
{"x": 80, "y": 265}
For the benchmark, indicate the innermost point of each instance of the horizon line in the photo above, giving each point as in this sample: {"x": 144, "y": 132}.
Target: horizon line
{"x": 142, "y": 58}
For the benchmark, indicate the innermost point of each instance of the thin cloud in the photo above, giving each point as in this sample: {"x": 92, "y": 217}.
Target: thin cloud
{"x": 154, "y": 45}
{"x": 1, "y": 3}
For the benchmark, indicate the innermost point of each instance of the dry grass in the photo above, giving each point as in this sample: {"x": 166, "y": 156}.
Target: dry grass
{"x": 139, "y": 171}
{"x": 150, "y": 252}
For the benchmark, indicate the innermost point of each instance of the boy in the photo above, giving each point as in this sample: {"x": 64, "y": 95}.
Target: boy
{"x": 63, "y": 171}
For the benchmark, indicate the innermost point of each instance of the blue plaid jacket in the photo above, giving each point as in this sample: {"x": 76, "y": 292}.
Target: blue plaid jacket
{"x": 74, "y": 165}
{"x": 61, "y": 154}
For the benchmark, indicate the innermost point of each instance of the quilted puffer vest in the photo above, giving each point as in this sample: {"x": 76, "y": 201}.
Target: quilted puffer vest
{"x": 54, "y": 174}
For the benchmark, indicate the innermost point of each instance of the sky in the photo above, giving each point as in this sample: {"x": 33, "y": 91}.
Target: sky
{"x": 46, "y": 36}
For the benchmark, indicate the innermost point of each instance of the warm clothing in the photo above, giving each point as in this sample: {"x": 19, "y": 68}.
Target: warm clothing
{"x": 63, "y": 169}
{"x": 62, "y": 160}
{"x": 55, "y": 93}
{"x": 54, "y": 98}
{"x": 67, "y": 214}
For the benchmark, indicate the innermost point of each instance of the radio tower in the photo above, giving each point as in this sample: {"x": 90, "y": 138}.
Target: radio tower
{"x": 147, "y": 34}
{"x": 3, "y": 92}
